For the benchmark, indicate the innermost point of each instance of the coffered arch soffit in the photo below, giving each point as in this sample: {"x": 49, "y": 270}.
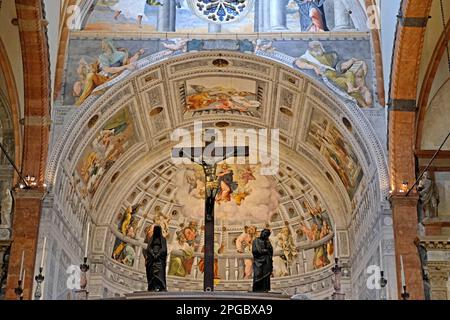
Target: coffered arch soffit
{"x": 153, "y": 99}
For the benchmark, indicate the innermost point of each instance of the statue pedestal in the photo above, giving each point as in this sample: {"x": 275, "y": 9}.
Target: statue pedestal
{"x": 338, "y": 296}
{"x": 81, "y": 295}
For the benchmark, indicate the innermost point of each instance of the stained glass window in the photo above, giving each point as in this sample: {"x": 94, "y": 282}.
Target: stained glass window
{"x": 221, "y": 11}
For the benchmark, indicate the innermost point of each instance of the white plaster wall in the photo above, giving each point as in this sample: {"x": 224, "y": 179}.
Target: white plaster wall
{"x": 441, "y": 77}
{"x": 11, "y": 40}
{"x": 388, "y": 17}
{"x": 437, "y": 120}
{"x": 443, "y": 184}
{"x": 433, "y": 32}
{"x": 52, "y": 14}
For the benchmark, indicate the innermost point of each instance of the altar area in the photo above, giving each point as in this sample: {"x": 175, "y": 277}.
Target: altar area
{"x": 215, "y": 295}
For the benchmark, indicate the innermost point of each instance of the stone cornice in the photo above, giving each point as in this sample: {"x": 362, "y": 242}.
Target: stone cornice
{"x": 401, "y": 198}
{"x": 28, "y": 194}
{"x": 441, "y": 222}
{"x": 95, "y": 34}
{"x": 435, "y": 242}
{"x": 36, "y": 121}
{"x": 5, "y": 243}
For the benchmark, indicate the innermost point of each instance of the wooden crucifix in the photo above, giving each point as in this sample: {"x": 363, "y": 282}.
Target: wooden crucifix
{"x": 208, "y": 157}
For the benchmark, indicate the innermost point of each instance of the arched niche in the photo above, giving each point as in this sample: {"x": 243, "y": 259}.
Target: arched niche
{"x": 156, "y": 86}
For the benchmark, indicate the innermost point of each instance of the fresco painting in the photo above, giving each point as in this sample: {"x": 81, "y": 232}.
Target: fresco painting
{"x": 108, "y": 65}
{"x": 228, "y": 16}
{"x": 129, "y": 225}
{"x": 243, "y": 193}
{"x": 244, "y": 206}
{"x": 329, "y": 141}
{"x": 247, "y": 202}
{"x": 92, "y": 63}
{"x": 109, "y": 144}
{"x": 226, "y": 94}
{"x": 347, "y": 75}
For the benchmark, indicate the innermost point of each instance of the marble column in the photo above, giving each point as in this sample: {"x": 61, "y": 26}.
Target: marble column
{"x": 262, "y": 15}
{"x": 25, "y": 229}
{"x": 167, "y": 14}
{"x": 349, "y": 14}
{"x": 342, "y": 20}
{"x": 278, "y": 14}
{"x": 259, "y": 14}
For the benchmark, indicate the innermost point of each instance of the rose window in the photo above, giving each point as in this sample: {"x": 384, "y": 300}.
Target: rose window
{"x": 221, "y": 11}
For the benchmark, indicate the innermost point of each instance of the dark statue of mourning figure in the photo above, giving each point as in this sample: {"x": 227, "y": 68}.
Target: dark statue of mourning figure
{"x": 155, "y": 262}
{"x": 262, "y": 262}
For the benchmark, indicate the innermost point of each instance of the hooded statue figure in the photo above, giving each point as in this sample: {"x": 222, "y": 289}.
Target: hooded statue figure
{"x": 262, "y": 262}
{"x": 155, "y": 262}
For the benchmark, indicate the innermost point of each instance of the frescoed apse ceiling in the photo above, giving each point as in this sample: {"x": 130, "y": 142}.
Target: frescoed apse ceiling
{"x": 113, "y": 144}
{"x": 123, "y": 137}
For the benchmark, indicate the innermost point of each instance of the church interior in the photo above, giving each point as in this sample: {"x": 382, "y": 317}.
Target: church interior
{"x": 341, "y": 106}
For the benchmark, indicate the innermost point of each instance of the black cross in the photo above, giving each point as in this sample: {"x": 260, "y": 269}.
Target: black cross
{"x": 208, "y": 157}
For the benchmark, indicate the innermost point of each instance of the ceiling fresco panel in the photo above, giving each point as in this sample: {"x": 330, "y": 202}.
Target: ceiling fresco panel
{"x": 332, "y": 62}
{"x": 114, "y": 138}
{"x": 330, "y": 142}
{"x": 246, "y": 202}
{"x": 87, "y": 57}
{"x": 223, "y": 94}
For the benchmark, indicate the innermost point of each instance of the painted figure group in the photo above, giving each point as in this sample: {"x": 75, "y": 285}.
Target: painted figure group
{"x": 156, "y": 260}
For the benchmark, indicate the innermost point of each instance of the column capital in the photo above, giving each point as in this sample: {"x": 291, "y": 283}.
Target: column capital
{"x": 401, "y": 199}
{"x": 36, "y": 121}
{"x": 435, "y": 243}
